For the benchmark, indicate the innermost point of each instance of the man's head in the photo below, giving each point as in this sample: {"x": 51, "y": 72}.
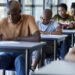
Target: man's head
{"x": 46, "y": 16}
{"x": 13, "y": 11}
{"x": 73, "y": 9}
{"x": 62, "y": 9}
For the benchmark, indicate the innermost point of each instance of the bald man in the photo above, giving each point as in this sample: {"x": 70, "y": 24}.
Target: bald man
{"x": 46, "y": 26}
{"x": 17, "y": 27}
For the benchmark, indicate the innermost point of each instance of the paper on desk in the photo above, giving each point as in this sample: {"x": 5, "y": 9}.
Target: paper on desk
{"x": 52, "y": 36}
{"x": 8, "y": 42}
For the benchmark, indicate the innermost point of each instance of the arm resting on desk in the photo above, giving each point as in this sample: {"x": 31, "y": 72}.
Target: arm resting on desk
{"x": 35, "y": 37}
{"x": 58, "y": 31}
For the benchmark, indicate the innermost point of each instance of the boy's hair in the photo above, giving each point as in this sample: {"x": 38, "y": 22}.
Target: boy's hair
{"x": 73, "y": 5}
{"x": 63, "y": 5}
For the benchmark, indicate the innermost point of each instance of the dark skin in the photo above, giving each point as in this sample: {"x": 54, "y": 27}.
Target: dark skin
{"x": 15, "y": 15}
{"x": 45, "y": 19}
{"x": 73, "y": 11}
{"x": 62, "y": 12}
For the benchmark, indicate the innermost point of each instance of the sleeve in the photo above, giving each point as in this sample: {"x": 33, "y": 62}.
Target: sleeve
{"x": 37, "y": 22}
{"x": 56, "y": 24}
{"x": 32, "y": 25}
{"x": 55, "y": 18}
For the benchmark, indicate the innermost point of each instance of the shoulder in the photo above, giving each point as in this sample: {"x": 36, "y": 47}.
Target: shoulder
{"x": 54, "y": 22}
{"x": 56, "y": 17}
{"x": 71, "y": 18}
{"x": 4, "y": 21}
{"x": 27, "y": 16}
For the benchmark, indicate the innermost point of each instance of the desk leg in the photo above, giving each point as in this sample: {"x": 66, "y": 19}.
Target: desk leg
{"x": 42, "y": 58}
{"x": 64, "y": 48}
{"x": 55, "y": 49}
{"x": 72, "y": 40}
{"x": 26, "y": 63}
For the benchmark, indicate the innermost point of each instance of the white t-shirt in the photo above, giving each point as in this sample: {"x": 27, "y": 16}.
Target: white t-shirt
{"x": 49, "y": 27}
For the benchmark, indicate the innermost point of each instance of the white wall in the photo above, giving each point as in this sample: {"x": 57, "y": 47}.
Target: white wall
{"x": 69, "y": 3}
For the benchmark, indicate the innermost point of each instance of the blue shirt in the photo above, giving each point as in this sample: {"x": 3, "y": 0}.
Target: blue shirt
{"x": 51, "y": 27}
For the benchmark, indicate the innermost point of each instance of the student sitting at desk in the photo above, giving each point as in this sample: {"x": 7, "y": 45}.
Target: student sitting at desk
{"x": 17, "y": 27}
{"x": 65, "y": 21}
{"x": 62, "y": 18}
{"x": 46, "y": 26}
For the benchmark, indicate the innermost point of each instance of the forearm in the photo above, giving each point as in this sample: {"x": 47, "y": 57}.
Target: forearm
{"x": 35, "y": 37}
{"x": 54, "y": 33}
{"x": 30, "y": 38}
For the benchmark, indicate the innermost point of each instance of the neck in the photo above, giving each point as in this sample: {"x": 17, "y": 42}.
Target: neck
{"x": 64, "y": 16}
{"x": 17, "y": 20}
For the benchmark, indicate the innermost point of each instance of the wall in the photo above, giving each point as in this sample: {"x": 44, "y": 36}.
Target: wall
{"x": 69, "y": 3}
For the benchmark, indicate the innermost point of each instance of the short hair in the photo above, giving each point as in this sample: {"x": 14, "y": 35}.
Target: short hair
{"x": 73, "y": 5}
{"x": 13, "y": 5}
{"x": 48, "y": 11}
{"x": 63, "y": 5}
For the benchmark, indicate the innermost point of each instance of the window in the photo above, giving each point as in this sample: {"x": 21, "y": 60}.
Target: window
{"x": 33, "y": 7}
{"x": 2, "y": 8}
{"x": 38, "y": 12}
{"x": 28, "y": 2}
{"x": 3, "y": 1}
{"x": 28, "y": 10}
{"x": 52, "y": 4}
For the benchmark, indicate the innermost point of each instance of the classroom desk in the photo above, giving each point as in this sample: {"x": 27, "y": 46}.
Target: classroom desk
{"x": 16, "y": 46}
{"x": 55, "y": 38}
{"x": 71, "y": 32}
{"x": 57, "y": 68}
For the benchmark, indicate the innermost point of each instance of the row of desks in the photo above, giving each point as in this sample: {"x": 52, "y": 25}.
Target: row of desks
{"x": 10, "y": 46}
{"x": 58, "y": 67}
{"x": 25, "y": 47}
{"x": 71, "y": 32}
{"x": 55, "y": 38}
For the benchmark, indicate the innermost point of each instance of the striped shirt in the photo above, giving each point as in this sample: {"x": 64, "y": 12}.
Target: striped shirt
{"x": 51, "y": 27}
{"x": 66, "y": 23}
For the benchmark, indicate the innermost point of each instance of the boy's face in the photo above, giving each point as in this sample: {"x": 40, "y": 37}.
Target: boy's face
{"x": 73, "y": 11}
{"x": 62, "y": 11}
